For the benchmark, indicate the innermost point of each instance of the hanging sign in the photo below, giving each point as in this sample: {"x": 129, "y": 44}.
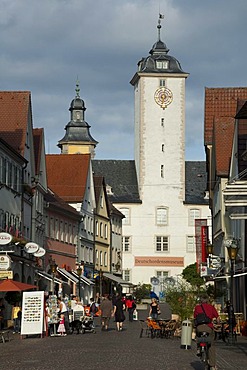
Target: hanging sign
{"x": 5, "y": 262}
{"x": 40, "y": 252}
{"x": 5, "y": 238}
{"x": 31, "y": 247}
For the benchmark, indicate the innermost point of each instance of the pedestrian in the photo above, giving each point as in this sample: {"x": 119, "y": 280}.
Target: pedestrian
{"x": 93, "y": 307}
{"x": 106, "y": 312}
{"x": 63, "y": 311}
{"x": 130, "y": 307}
{"x": 211, "y": 313}
{"x": 61, "y": 326}
{"x": 154, "y": 309}
{"x": 14, "y": 316}
{"x": 118, "y": 311}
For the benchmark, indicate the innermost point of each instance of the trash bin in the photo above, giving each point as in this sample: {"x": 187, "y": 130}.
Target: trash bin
{"x": 186, "y": 335}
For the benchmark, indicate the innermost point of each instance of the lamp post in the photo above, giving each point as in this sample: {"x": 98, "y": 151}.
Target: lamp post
{"x": 53, "y": 267}
{"x": 100, "y": 282}
{"x": 210, "y": 248}
{"x": 232, "y": 249}
{"x": 79, "y": 272}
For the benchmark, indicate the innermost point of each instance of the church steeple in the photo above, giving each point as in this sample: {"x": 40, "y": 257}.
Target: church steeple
{"x": 77, "y": 138}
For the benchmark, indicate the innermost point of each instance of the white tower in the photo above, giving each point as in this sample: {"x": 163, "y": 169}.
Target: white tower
{"x": 157, "y": 241}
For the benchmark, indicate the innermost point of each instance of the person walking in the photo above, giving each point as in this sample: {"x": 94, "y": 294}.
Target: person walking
{"x": 211, "y": 313}
{"x": 2, "y": 310}
{"x": 130, "y": 306}
{"x": 106, "y": 312}
{"x": 154, "y": 309}
{"x": 118, "y": 311}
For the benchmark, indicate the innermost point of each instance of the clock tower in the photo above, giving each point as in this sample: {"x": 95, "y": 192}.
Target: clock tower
{"x": 159, "y": 88}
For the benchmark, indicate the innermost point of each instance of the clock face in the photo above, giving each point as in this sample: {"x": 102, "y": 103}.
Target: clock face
{"x": 163, "y": 97}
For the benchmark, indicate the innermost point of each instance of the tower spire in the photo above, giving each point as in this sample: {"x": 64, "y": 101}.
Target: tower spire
{"x": 161, "y": 16}
{"x": 77, "y": 88}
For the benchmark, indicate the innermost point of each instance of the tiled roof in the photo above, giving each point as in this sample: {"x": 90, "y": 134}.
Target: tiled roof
{"x": 195, "y": 182}
{"x": 14, "y": 111}
{"x": 59, "y": 204}
{"x": 223, "y": 140}
{"x": 67, "y": 175}
{"x": 220, "y": 102}
{"x": 37, "y": 143}
{"x": 121, "y": 176}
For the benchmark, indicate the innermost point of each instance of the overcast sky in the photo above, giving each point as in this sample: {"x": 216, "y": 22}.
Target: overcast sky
{"x": 45, "y": 45}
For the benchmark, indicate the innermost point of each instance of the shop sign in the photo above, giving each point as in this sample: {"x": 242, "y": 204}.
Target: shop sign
{"x": 40, "y": 252}
{"x": 5, "y": 238}
{"x": 5, "y": 262}
{"x": 31, "y": 247}
{"x": 6, "y": 274}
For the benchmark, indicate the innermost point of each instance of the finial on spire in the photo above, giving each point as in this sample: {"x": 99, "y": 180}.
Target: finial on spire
{"x": 77, "y": 89}
{"x": 161, "y": 16}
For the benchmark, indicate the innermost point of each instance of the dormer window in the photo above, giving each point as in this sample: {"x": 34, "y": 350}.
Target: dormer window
{"x": 162, "y": 64}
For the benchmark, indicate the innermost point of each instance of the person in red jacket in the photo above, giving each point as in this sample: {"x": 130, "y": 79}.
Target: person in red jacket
{"x": 211, "y": 313}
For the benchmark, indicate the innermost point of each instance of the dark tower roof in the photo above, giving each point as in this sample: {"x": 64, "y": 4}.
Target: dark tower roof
{"x": 77, "y": 130}
{"x": 159, "y": 53}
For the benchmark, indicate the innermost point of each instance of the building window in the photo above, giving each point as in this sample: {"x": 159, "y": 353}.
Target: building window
{"x": 162, "y": 147}
{"x": 162, "y": 83}
{"x": 191, "y": 244}
{"x": 97, "y": 228}
{"x": 161, "y": 216}
{"x": 193, "y": 215}
{"x": 105, "y": 259}
{"x": 162, "y": 170}
{"x": 161, "y": 275}
{"x": 126, "y": 213}
{"x": 126, "y": 243}
{"x": 101, "y": 258}
{"x": 106, "y": 232}
{"x": 97, "y": 257}
{"x": 162, "y": 122}
{"x": 162, "y": 243}
{"x": 161, "y": 64}
{"x": 126, "y": 275}
{"x": 101, "y": 230}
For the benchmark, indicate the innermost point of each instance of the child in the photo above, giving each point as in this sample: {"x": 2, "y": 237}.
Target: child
{"x": 61, "y": 327}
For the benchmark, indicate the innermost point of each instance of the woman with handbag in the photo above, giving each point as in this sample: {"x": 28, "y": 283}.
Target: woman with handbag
{"x": 154, "y": 309}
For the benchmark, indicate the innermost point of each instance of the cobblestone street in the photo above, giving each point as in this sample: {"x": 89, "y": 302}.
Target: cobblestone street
{"x": 113, "y": 350}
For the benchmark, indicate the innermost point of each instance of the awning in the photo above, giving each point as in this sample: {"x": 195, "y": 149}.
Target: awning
{"x": 83, "y": 279}
{"x": 116, "y": 279}
{"x": 68, "y": 275}
{"x": 49, "y": 277}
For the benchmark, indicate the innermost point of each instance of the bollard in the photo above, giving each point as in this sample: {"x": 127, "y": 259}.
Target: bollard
{"x": 186, "y": 335}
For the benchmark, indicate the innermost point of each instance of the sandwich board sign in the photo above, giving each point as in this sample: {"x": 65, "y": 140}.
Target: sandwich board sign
{"x": 32, "y": 319}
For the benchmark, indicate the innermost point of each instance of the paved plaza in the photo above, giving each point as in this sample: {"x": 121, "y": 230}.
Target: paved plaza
{"x": 113, "y": 350}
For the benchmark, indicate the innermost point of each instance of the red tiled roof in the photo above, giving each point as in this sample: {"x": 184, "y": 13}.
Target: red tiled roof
{"x": 67, "y": 175}
{"x": 14, "y": 110}
{"x": 223, "y": 139}
{"x": 220, "y": 102}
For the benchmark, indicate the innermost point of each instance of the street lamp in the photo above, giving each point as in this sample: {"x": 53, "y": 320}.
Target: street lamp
{"x": 232, "y": 249}
{"x": 79, "y": 272}
{"x": 53, "y": 267}
{"x": 210, "y": 248}
{"x": 100, "y": 282}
